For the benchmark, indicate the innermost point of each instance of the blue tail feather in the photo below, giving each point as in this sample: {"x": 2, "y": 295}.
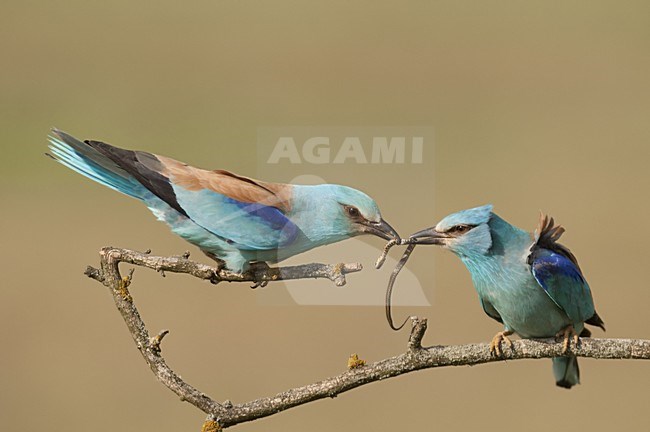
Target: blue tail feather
{"x": 85, "y": 160}
{"x": 90, "y": 170}
{"x": 566, "y": 371}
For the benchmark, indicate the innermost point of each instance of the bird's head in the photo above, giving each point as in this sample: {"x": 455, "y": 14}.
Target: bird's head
{"x": 466, "y": 233}
{"x": 338, "y": 212}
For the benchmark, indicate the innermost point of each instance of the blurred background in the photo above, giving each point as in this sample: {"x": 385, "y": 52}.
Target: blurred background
{"x": 534, "y": 106}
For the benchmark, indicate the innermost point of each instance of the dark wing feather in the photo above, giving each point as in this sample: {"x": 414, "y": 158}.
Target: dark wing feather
{"x": 596, "y": 321}
{"x": 145, "y": 167}
{"x": 491, "y": 311}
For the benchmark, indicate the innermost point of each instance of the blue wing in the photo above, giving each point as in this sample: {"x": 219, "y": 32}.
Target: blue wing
{"x": 238, "y": 210}
{"x": 251, "y": 226}
{"x": 562, "y": 280}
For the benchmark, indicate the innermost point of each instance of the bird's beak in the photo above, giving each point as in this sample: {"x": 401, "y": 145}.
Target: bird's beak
{"x": 429, "y": 236}
{"x": 380, "y": 229}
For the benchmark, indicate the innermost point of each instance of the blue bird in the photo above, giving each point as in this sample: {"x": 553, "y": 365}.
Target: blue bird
{"x": 231, "y": 218}
{"x": 533, "y": 286}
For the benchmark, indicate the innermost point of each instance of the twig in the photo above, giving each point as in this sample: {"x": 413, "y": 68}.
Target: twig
{"x": 180, "y": 264}
{"x": 415, "y": 358}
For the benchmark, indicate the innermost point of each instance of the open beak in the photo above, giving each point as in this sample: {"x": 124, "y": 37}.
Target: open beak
{"x": 429, "y": 236}
{"x": 381, "y": 229}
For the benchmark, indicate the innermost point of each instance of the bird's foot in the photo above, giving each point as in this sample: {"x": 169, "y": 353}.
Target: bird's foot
{"x": 495, "y": 345}
{"x": 259, "y": 269}
{"x": 568, "y": 333}
{"x": 220, "y": 263}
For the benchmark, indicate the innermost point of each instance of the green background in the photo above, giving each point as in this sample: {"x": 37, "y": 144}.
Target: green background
{"x": 536, "y": 105}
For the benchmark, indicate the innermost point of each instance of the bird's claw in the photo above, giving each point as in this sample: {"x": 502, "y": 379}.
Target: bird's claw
{"x": 568, "y": 333}
{"x": 260, "y": 284}
{"x": 260, "y": 270}
{"x": 495, "y": 344}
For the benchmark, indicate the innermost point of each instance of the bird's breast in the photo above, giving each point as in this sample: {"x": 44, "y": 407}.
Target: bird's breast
{"x": 522, "y": 304}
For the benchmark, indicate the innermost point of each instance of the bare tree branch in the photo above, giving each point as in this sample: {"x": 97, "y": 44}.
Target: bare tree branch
{"x": 415, "y": 358}
{"x": 181, "y": 264}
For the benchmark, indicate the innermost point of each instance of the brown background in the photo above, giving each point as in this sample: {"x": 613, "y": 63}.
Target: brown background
{"x": 534, "y": 106}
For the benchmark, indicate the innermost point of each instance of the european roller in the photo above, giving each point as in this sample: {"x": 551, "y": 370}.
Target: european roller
{"x": 533, "y": 285}
{"x": 231, "y": 218}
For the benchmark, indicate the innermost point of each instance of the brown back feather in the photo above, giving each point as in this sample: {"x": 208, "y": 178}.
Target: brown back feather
{"x": 547, "y": 235}
{"x": 237, "y": 187}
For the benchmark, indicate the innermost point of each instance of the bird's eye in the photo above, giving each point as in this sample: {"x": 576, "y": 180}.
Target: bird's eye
{"x": 352, "y": 211}
{"x": 459, "y": 229}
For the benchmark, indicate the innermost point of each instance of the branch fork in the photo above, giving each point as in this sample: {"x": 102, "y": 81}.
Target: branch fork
{"x": 416, "y": 357}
